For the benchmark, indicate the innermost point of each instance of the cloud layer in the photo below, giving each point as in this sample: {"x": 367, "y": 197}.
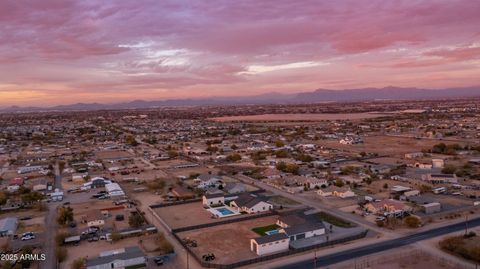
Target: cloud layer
{"x": 60, "y": 51}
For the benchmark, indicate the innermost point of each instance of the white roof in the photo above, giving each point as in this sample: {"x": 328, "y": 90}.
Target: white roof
{"x": 112, "y": 187}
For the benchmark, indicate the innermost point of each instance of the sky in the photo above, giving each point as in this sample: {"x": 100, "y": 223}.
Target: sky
{"x": 62, "y": 51}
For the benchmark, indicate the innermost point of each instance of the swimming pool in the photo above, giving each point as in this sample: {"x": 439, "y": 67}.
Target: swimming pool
{"x": 222, "y": 212}
{"x": 272, "y": 232}
{"x": 225, "y": 211}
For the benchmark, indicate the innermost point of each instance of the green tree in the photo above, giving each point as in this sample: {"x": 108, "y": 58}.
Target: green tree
{"x": 449, "y": 169}
{"x": 135, "y": 220}
{"x": 412, "y": 221}
{"x": 235, "y": 157}
{"x": 65, "y": 215}
{"x": 78, "y": 263}
{"x": 130, "y": 140}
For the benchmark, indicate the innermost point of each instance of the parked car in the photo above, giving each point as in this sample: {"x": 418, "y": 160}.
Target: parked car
{"x": 28, "y": 236}
{"x": 159, "y": 261}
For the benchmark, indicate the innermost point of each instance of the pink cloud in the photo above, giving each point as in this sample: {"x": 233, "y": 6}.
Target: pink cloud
{"x": 65, "y": 43}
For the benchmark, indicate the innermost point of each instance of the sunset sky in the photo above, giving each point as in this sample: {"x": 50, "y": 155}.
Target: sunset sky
{"x": 61, "y": 52}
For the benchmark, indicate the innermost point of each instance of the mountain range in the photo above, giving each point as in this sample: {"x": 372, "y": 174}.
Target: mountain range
{"x": 319, "y": 95}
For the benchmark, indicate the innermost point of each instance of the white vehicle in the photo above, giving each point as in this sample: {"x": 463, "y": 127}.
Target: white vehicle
{"x": 28, "y": 236}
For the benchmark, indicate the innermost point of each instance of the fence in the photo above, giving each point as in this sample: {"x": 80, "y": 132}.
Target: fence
{"x": 227, "y": 221}
{"x": 268, "y": 257}
{"x": 198, "y": 200}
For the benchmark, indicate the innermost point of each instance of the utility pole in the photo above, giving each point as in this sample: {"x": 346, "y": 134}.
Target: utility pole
{"x": 466, "y": 224}
{"x": 315, "y": 259}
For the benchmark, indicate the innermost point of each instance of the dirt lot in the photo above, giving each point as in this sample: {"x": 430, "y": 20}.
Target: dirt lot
{"x": 80, "y": 211}
{"x": 187, "y": 215}
{"x": 392, "y": 146}
{"x": 112, "y": 154}
{"x": 92, "y": 249}
{"x": 231, "y": 242}
{"x": 395, "y": 259}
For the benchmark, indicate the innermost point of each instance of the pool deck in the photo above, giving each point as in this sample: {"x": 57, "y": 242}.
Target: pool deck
{"x": 219, "y": 214}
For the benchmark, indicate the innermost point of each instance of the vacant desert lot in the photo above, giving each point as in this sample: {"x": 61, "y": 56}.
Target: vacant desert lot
{"x": 187, "y": 215}
{"x": 231, "y": 242}
{"x": 385, "y": 145}
{"x": 301, "y": 117}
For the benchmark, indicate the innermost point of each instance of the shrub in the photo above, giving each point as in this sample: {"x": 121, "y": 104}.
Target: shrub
{"x": 412, "y": 221}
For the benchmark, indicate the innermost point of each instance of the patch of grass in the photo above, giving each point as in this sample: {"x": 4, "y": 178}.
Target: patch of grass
{"x": 334, "y": 220}
{"x": 262, "y": 230}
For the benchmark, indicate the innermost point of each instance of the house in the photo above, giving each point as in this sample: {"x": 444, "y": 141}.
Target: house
{"x": 113, "y": 189}
{"x": 207, "y": 180}
{"x": 270, "y": 244}
{"x": 413, "y": 155}
{"x": 388, "y": 207}
{"x": 8, "y": 226}
{"x": 182, "y": 193}
{"x": 16, "y": 181}
{"x": 56, "y": 195}
{"x": 342, "y": 192}
{"x": 305, "y": 230}
{"x": 130, "y": 257}
{"x": 96, "y": 182}
{"x": 423, "y": 165}
{"x": 438, "y": 163}
{"x": 440, "y": 178}
{"x": 300, "y": 226}
{"x": 250, "y": 204}
{"x": 94, "y": 218}
{"x": 29, "y": 169}
{"x": 233, "y": 187}
{"x": 213, "y": 199}
{"x": 431, "y": 208}
{"x": 309, "y": 182}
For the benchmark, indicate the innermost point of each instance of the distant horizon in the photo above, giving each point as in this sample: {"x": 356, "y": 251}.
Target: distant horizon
{"x": 65, "y": 52}
{"x": 268, "y": 95}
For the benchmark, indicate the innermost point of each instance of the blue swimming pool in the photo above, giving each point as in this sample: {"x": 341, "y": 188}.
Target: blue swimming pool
{"x": 272, "y": 232}
{"x": 225, "y": 211}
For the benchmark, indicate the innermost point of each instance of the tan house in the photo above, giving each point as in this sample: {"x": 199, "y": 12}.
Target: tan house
{"x": 342, "y": 192}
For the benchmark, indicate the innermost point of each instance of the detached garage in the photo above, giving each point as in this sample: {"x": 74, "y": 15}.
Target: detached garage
{"x": 270, "y": 244}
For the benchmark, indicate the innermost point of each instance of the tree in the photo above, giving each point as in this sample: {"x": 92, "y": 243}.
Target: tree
{"x": 281, "y": 166}
{"x": 425, "y": 188}
{"x": 339, "y": 183}
{"x": 61, "y": 254}
{"x": 449, "y": 169}
{"x": 279, "y": 143}
{"x": 347, "y": 170}
{"x": 135, "y": 220}
{"x": 60, "y": 238}
{"x": 235, "y": 157}
{"x": 292, "y": 168}
{"x": 65, "y": 215}
{"x": 281, "y": 154}
{"x": 32, "y": 197}
{"x": 385, "y": 186}
{"x": 78, "y": 263}
{"x": 115, "y": 236}
{"x": 412, "y": 221}
{"x": 304, "y": 158}
{"x": 3, "y": 197}
{"x": 130, "y": 140}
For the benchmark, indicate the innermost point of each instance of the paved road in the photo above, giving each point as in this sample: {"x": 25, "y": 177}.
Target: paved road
{"x": 378, "y": 247}
{"x": 51, "y": 227}
{"x": 317, "y": 205}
